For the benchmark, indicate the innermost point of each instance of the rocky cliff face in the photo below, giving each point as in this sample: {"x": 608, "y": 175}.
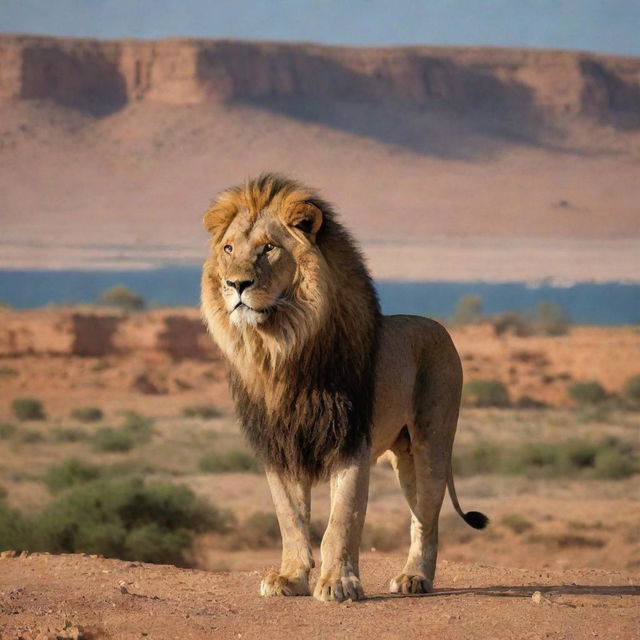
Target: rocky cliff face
{"x": 526, "y": 88}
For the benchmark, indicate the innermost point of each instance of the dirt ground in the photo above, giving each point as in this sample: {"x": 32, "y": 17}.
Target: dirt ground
{"x": 76, "y": 596}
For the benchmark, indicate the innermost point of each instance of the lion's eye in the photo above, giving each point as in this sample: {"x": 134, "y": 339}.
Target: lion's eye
{"x": 228, "y": 248}
{"x": 268, "y": 247}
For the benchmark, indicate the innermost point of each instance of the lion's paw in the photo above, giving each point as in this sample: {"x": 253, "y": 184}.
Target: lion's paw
{"x": 338, "y": 587}
{"x": 277, "y": 584}
{"x": 410, "y": 583}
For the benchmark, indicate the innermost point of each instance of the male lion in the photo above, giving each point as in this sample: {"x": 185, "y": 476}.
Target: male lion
{"x": 323, "y": 384}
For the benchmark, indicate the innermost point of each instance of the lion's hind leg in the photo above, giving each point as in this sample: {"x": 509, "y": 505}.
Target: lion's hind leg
{"x": 423, "y": 480}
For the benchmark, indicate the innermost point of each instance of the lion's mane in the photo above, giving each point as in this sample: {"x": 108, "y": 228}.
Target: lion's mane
{"x": 303, "y": 382}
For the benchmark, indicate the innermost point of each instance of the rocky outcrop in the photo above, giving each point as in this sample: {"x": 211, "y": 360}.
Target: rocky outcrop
{"x": 97, "y": 333}
{"x": 532, "y": 88}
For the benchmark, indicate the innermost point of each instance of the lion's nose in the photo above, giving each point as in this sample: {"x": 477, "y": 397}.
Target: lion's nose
{"x": 240, "y": 285}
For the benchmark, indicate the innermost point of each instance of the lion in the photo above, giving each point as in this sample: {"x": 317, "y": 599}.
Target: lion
{"x": 324, "y": 385}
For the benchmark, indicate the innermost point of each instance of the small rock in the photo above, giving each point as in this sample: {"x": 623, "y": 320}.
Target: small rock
{"x": 538, "y": 598}
{"x": 11, "y": 553}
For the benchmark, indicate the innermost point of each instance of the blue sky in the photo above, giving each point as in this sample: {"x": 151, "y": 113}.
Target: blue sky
{"x": 610, "y": 26}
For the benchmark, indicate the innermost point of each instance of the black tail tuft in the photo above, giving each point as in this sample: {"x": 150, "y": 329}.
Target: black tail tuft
{"x": 476, "y": 519}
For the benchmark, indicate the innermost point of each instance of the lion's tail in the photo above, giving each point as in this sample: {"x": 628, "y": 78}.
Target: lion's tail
{"x": 474, "y": 519}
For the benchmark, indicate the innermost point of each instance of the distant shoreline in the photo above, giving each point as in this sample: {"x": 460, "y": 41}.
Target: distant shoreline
{"x": 597, "y": 303}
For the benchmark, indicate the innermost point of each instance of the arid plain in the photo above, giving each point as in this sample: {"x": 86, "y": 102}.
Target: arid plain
{"x": 448, "y": 164}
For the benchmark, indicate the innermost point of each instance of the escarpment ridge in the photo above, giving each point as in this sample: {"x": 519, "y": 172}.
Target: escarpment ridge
{"x": 517, "y": 87}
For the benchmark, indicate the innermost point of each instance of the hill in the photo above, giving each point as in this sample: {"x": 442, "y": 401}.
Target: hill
{"x": 110, "y": 150}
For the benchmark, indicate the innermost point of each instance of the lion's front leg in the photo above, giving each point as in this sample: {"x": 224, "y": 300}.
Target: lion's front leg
{"x": 340, "y": 575}
{"x": 292, "y": 500}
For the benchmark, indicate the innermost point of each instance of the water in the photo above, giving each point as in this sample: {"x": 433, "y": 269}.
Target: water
{"x": 586, "y": 303}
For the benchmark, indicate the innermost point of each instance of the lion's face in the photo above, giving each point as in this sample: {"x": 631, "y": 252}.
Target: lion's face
{"x": 257, "y": 268}
{"x": 264, "y": 262}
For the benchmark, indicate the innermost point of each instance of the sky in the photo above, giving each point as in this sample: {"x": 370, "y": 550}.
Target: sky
{"x": 607, "y": 26}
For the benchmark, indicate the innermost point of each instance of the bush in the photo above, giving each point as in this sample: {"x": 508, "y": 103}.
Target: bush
{"x": 204, "y": 411}
{"x": 71, "y": 472}
{"x": 512, "y": 322}
{"x": 468, "y": 310}
{"x": 483, "y": 458}
{"x": 29, "y": 436}
{"x": 587, "y": 393}
{"x": 517, "y": 523}
{"x": 260, "y": 530}
{"x": 87, "y": 414}
{"x": 614, "y": 464}
{"x": 608, "y": 458}
{"x": 527, "y": 402}
{"x": 550, "y": 319}
{"x": 27, "y": 409}
{"x": 15, "y": 530}
{"x": 61, "y": 434}
{"x": 123, "y": 298}
{"x": 138, "y": 426}
{"x": 126, "y": 519}
{"x": 112, "y": 440}
{"x": 7, "y": 430}
{"x": 236, "y": 460}
{"x": 631, "y": 392}
{"x": 485, "y": 393}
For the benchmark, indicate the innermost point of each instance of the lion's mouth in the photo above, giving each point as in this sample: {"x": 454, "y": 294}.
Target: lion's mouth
{"x": 244, "y": 305}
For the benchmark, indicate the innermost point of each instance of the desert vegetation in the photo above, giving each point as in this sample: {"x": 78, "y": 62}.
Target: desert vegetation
{"x": 547, "y": 448}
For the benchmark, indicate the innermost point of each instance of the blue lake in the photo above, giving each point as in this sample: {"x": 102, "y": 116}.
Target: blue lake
{"x": 587, "y": 303}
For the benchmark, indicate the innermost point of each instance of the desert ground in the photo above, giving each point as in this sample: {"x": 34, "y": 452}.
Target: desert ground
{"x": 569, "y": 533}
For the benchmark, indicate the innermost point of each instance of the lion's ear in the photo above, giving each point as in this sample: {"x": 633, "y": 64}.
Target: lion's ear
{"x": 306, "y": 217}
{"x": 217, "y": 218}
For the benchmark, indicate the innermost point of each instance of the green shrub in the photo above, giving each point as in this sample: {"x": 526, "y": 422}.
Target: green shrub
{"x": 533, "y": 458}
{"x": 485, "y": 393}
{"x": 237, "y": 460}
{"x": 71, "y": 472}
{"x": 7, "y": 430}
{"x": 614, "y": 464}
{"x": 62, "y": 434}
{"x": 550, "y": 319}
{"x": 483, "y": 458}
{"x": 8, "y": 372}
{"x": 204, "y": 411}
{"x": 29, "y": 436}
{"x": 112, "y": 440}
{"x": 512, "y": 322}
{"x": 631, "y": 392}
{"x": 468, "y": 310}
{"x": 15, "y": 530}
{"x": 126, "y": 519}
{"x": 517, "y": 523}
{"x": 122, "y": 297}
{"x": 527, "y": 402}
{"x": 587, "y": 393}
{"x": 138, "y": 426}
{"x": 87, "y": 414}
{"x": 27, "y": 409}
{"x": 260, "y": 530}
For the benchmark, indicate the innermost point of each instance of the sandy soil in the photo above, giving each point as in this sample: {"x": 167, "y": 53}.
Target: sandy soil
{"x": 97, "y": 598}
